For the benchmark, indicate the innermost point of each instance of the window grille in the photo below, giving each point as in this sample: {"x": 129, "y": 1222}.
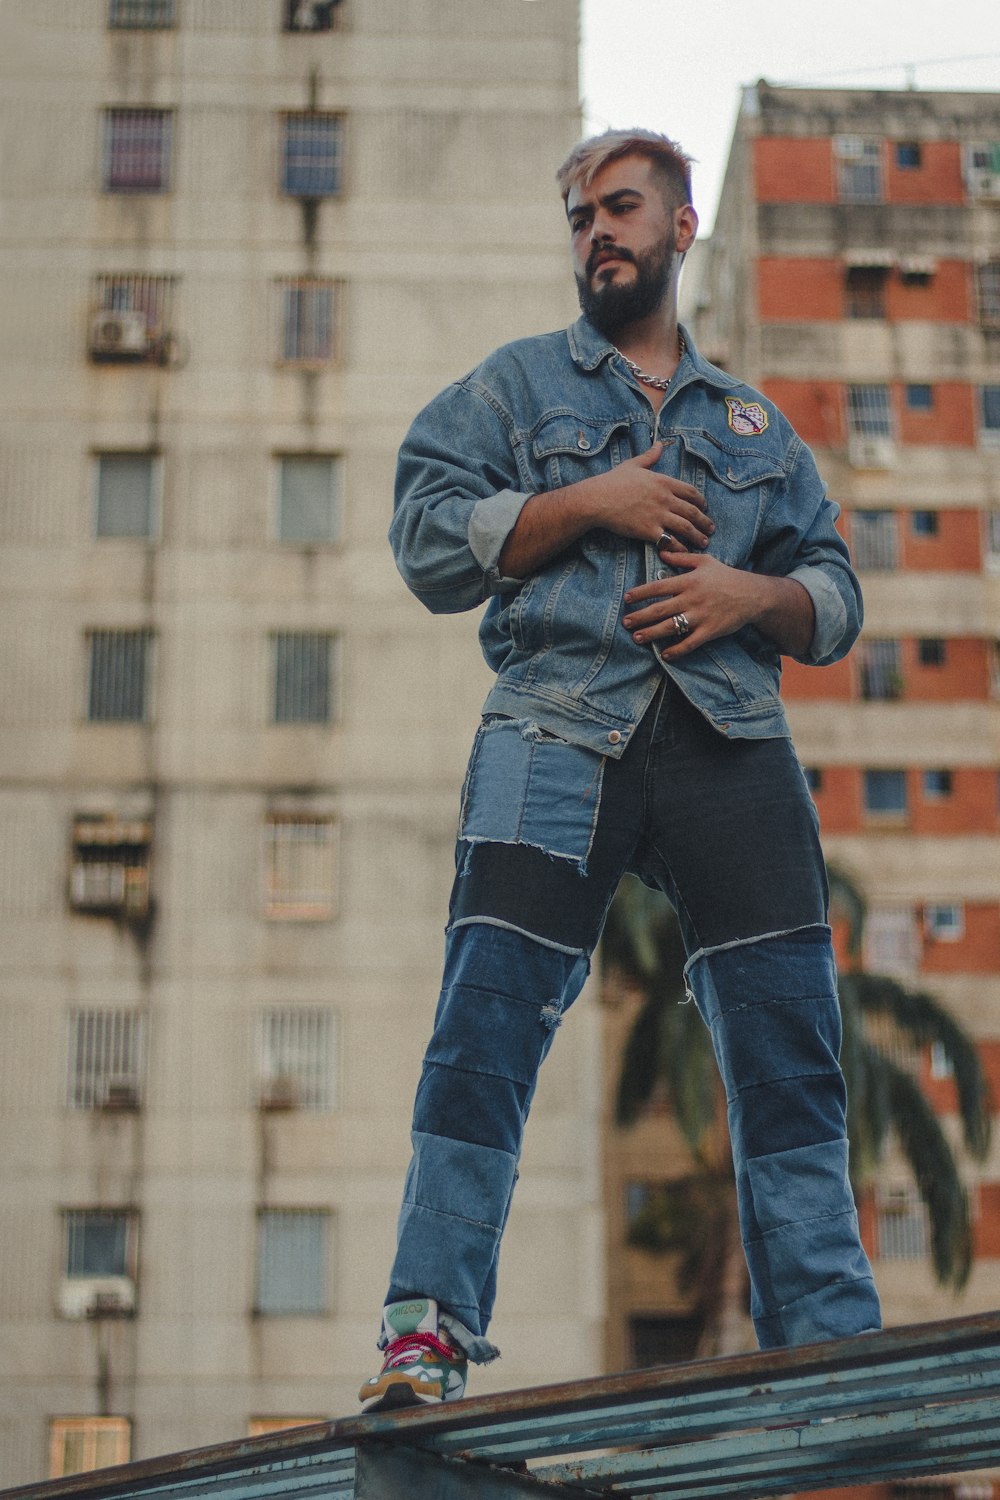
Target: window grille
{"x": 308, "y": 499}
{"x": 874, "y": 540}
{"x": 118, "y": 691}
{"x": 106, "y": 1059}
{"x": 301, "y": 867}
{"x": 901, "y": 1224}
{"x": 125, "y": 495}
{"x": 990, "y": 410}
{"x": 142, "y": 15}
{"x": 308, "y": 311}
{"x": 132, "y": 318}
{"x": 937, "y": 784}
{"x": 295, "y": 1050}
{"x": 869, "y": 411}
{"x": 77, "y": 1445}
{"x": 988, "y": 293}
{"x": 311, "y": 15}
{"x": 311, "y": 154}
{"x": 945, "y": 923}
{"x": 859, "y": 168}
{"x": 932, "y": 651}
{"x": 885, "y": 794}
{"x": 891, "y": 941}
{"x": 136, "y": 157}
{"x": 99, "y": 1242}
{"x": 292, "y": 1261}
{"x": 881, "y": 670}
{"x": 303, "y": 664}
{"x": 864, "y": 292}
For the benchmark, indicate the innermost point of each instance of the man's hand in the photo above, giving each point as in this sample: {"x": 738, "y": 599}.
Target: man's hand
{"x": 717, "y": 600}
{"x": 629, "y": 500}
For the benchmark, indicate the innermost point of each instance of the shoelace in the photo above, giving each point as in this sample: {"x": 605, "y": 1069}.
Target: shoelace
{"x": 403, "y": 1348}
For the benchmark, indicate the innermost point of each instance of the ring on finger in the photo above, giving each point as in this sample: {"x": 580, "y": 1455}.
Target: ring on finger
{"x": 682, "y": 625}
{"x": 663, "y": 540}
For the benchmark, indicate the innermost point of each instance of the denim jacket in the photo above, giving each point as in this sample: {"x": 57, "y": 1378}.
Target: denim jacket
{"x": 544, "y": 412}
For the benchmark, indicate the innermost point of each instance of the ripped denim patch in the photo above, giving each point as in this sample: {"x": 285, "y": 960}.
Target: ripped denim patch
{"x": 526, "y": 786}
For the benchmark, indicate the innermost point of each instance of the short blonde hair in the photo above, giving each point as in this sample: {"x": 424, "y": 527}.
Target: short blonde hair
{"x": 588, "y": 157}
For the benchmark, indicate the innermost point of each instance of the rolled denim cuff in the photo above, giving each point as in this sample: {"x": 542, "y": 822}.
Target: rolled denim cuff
{"x": 829, "y": 608}
{"x": 490, "y": 524}
{"x": 479, "y": 1350}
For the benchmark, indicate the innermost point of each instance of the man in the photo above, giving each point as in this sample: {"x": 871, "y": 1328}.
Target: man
{"x": 652, "y": 536}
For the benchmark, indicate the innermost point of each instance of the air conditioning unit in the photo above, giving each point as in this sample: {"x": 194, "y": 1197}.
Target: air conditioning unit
{"x": 871, "y": 453}
{"x": 280, "y": 1092}
{"x": 119, "y": 335}
{"x": 119, "y": 1093}
{"x": 97, "y": 1297}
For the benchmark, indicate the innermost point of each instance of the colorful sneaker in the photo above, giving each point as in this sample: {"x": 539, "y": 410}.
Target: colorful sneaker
{"x": 420, "y": 1367}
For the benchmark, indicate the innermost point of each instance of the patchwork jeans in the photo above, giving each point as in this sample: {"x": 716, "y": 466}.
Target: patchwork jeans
{"x": 727, "y": 830}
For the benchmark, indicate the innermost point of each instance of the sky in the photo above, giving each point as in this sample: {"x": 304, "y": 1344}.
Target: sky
{"x": 680, "y": 68}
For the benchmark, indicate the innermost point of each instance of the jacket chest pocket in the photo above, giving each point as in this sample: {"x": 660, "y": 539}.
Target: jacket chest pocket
{"x": 566, "y": 448}
{"x": 737, "y": 484}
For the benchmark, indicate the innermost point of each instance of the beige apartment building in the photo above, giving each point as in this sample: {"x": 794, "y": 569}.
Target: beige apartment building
{"x": 242, "y": 242}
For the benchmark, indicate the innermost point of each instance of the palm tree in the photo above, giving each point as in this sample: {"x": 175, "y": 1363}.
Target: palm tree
{"x": 669, "y": 1048}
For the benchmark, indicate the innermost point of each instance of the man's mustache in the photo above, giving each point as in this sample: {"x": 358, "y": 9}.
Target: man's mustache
{"x": 606, "y": 251}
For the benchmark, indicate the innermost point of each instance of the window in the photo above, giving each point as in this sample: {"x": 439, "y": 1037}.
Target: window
{"x": 931, "y": 651}
{"x": 78, "y": 1445}
{"x": 109, "y": 872}
{"x": 988, "y": 293}
{"x": 891, "y": 941}
{"x": 859, "y": 168}
{"x": 303, "y": 668}
{"x": 126, "y": 494}
{"x": 99, "y": 1263}
{"x": 901, "y": 1224}
{"x": 118, "y": 690}
{"x": 136, "y": 156}
{"x": 919, "y": 398}
{"x": 869, "y": 411}
{"x": 300, "y": 867}
{"x": 881, "y": 671}
{"x": 937, "y": 785}
{"x": 992, "y": 540}
{"x": 885, "y": 794}
{"x": 944, "y": 923}
{"x": 990, "y": 411}
{"x": 308, "y": 499}
{"x": 292, "y": 1261}
{"x": 874, "y": 540}
{"x": 917, "y": 270}
{"x": 141, "y": 15}
{"x": 295, "y": 1051}
{"x": 864, "y": 292}
{"x": 312, "y": 148}
{"x": 907, "y": 155}
{"x": 106, "y": 1059}
{"x": 924, "y": 522}
{"x": 131, "y": 319}
{"x": 814, "y": 778}
{"x": 310, "y": 15}
{"x": 661, "y": 1340}
{"x": 308, "y": 320}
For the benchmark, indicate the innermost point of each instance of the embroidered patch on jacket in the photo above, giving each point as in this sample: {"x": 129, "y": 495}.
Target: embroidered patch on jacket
{"x": 749, "y": 420}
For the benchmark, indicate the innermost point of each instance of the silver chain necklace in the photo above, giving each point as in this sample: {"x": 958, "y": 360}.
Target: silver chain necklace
{"x": 658, "y": 382}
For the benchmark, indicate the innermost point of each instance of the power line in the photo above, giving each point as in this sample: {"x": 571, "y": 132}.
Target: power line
{"x": 925, "y": 62}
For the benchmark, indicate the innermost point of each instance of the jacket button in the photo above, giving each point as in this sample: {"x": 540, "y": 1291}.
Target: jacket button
{"x": 661, "y": 572}
{"x": 582, "y": 442}
{"x": 615, "y": 737}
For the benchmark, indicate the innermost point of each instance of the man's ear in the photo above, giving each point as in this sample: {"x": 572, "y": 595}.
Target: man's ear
{"x": 685, "y": 228}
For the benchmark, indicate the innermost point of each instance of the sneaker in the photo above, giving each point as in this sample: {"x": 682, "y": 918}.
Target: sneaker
{"x": 420, "y": 1367}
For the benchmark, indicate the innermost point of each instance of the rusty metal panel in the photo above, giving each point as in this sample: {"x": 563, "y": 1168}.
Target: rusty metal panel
{"x": 393, "y": 1473}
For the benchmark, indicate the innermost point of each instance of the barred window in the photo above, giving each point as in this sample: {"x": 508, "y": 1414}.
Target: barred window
{"x": 132, "y": 318}
{"x": 901, "y": 1224}
{"x": 859, "y": 168}
{"x": 308, "y": 499}
{"x": 310, "y": 15}
{"x": 106, "y": 1059}
{"x": 77, "y": 1445}
{"x": 308, "y": 327}
{"x": 869, "y": 411}
{"x": 141, "y": 15}
{"x": 881, "y": 670}
{"x": 136, "y": 155}
{"x": 109, "y": 874}
{"x": 303, "y": 670}
{"x": 125, "y": 500}
{"x": 300, "y": 867}
{"x": 292, "y": 1254}
{"x": 118, "y": 690}
{"x": 311, "y": 154}
{"x": 874, "y": 540}
{"x": 885, "y": 794}
{"x": 100, "y": 1242}
{"x": 891, "y": 942}
{"x": 988, "y": 293}
{"x": 296, "y": 1058}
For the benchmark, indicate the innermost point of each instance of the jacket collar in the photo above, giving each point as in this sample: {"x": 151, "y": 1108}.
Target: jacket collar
{"x": 588, "y": 348}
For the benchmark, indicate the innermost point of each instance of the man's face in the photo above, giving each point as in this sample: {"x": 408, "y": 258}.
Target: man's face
{"x": 625, "y": 241}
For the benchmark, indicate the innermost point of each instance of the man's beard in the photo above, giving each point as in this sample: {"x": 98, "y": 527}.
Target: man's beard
{"x": 611, "y": 307}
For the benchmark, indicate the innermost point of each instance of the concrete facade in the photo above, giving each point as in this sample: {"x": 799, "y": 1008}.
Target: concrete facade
{"x": 442, "y": 237}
